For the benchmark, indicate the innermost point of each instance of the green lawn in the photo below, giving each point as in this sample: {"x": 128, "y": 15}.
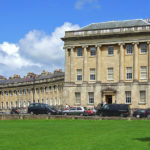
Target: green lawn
{"x": 75, "y": 135}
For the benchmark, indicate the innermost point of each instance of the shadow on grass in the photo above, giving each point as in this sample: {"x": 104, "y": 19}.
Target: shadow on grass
{"x": 144, "y": 139}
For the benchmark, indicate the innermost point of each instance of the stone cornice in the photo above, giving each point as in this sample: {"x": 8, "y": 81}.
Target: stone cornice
{"x": 32, "y": 83}
{"x": 102, "y": 36}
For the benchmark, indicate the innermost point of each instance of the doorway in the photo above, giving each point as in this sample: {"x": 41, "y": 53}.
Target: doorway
{"x": 109, "y": 99}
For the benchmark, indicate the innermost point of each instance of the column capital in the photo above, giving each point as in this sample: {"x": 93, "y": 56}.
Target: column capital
{"x": 121, "y": 44}
{"x": 84, "y": 46}
{"x": 135, "y": 43}
{"x": 98, "y": 45}
{"x": 68, "y": 47}
{"x": 148, "y": 42}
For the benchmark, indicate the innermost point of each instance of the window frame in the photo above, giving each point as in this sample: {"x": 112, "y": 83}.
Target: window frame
{"x": 143, "y": 49}
{"x": 92, "y": 51}
{"x": 129, "y": 75}
{"x": 79, "y": 52}
{"x": 143, "y": 73}
{"x": 79, "y": 75}
{"x": 110, "y": 73}
{"x": 110, "y": 50}
{"x": 78, "y": 97}
{"x": 91, "y": 98}
{"x": 142, "y": 102}
{"x": 129, "y": 49}
{"x": 92, "y": 74}
{"x": 128, "y": 97}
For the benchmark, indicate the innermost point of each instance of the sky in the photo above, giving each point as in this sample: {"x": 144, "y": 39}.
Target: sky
{"x": 30, "y": 30}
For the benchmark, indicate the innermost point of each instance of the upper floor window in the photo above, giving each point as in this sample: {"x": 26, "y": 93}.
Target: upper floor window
{"x": 129, "y": 48}
{"x": 129, "y": 73}
{"x": 11, "y": 93}
{"x": 20, "y": 92}
{"x": 24, "y": 92}
{"x": 111, "y": 50}
{"x": 92, "y": 74}
{"x": 143, "y": 72}
{"x": 79, "y": 51}
{"x": 143, "y": 48}
{"x": 79, "y": 74}
{"x": 6, "y": 93}
{"x": 47, "y": 89}
{"x": 110, "y": 74}
{"x": 92, "y": 51}
{"x": 128, "y": 97}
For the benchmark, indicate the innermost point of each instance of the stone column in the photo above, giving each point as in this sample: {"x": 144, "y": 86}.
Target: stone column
{"x": 72, "y": 65}
{"x": 85, "y": 64}
{"x": 98, "y": 64}
{"x": 121, "y": 69}
{"x": 135, "y": 63}
{"x": 148, "y": 48}
{"x": 66, "y": 64}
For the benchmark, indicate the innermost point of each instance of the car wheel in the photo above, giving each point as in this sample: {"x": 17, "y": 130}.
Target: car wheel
{"x": 81, "y": 114}
{"x": 101, "y": 115}
{"x": 49, "y": 113}
{"x": 121, "y": 115}
{"x": 31, "y": 113}
{"x": 65, "y": 114}
{"x": 137, "y": 116}
{"x": 148, "y": 116}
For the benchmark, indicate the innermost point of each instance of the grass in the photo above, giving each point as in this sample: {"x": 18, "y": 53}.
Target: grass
{"x": 75, "y": 135}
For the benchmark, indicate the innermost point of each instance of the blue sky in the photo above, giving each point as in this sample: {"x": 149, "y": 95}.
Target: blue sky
{"x": 30, "y": 30}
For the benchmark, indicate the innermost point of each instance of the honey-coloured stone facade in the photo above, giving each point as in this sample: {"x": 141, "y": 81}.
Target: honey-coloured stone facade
{"x": 117, "y": 72}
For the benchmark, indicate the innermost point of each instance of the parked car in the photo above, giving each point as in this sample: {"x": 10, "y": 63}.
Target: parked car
{"x": 74, "y": 111}
{"x": 40, "y": 108}
{"x": 114, "y": 110}
{"x": 140, "y": 113}
{"x": 148, "y": 112}
{"x": 15, "y": 111}
{"x": 89, "y": 112}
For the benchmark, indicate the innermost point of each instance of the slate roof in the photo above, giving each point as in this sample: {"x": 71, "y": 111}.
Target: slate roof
{"x": 115, "y": 24}
{"x": 40, "y": 77}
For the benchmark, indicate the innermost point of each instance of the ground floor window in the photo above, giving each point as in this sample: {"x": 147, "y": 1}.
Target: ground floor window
{"x": 128, "y": 97}
{"x": 16, "y": 104}
{"x": 47, "y": 101}
{"x": 142, "y": 96}
{"x": 59, "y": 101}
{"x": 91, "y": 97}
{"x": 78, "y": 97}
{"x": 11, "y": 104}
{"x": 55, "y": 101}
{"x": 24, "y": 104}
{"x": 2, "y": 105}
{"x": 51, "y": 103}
{"x": 7, "y": 105}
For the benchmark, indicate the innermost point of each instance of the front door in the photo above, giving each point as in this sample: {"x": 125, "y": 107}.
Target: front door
{"x": 109, "y": 99}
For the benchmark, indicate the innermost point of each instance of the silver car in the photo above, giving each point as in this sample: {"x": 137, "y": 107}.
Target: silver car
{"x": 74, "y": 111}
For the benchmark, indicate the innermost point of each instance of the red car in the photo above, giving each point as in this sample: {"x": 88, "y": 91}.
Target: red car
{"x": 89, "y": 112}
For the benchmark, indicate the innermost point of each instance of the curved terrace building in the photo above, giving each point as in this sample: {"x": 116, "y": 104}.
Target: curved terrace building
{"x": 104, "y": 63}
{"x": 20, "y": 92}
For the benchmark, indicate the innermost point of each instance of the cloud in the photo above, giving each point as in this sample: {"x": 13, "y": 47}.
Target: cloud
{"x": 9, "y": 56}
{"x": 80, "y": 4}
{"x": 34, "y": 52}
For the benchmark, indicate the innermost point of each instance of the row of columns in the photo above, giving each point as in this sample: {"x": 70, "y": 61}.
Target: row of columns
{"x": 69, "y": 64}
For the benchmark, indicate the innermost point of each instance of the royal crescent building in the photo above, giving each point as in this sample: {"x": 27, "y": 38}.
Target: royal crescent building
{"x": 105, "y": 62}
{"x": 20, "y": 92}
{"x": 108, "y": 63}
